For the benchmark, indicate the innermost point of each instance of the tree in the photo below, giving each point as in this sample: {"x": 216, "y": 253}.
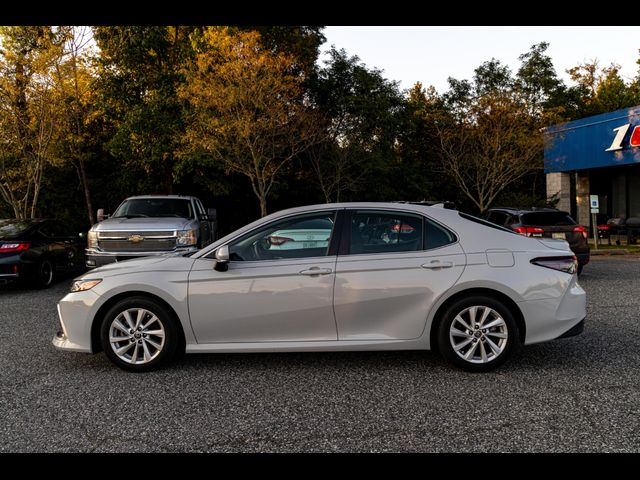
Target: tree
{"x": 28, "y": 113}
{"x": 363, "y": 114}
{"x": 73, "y": 85}
{"x": 488, "y": 136}
{"x": 603, "y": 88}
{"x": 246, "y": 107}
{"x": 140, "y": 68}
{"x": 496, "y": 147}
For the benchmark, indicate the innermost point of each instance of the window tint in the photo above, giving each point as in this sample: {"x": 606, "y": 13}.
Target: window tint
{"x": 437, "y": 236}
{"x": 295, "y": 237}
{"x": 385, "y": 232}
{"x": 499, "y": 218}
{"x": 547, "y": 218}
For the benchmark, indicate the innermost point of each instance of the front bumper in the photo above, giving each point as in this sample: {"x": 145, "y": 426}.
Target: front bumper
{"x": 75, "y": 312}
{"x": 97, "y": 258}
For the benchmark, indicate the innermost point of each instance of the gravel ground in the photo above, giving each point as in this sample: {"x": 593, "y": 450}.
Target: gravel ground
{"x": 573, "y": 395}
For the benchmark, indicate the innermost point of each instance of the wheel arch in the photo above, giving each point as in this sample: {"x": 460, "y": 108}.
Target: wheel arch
{"x": 104, "y": 308}
{"x": 484, "y": 291}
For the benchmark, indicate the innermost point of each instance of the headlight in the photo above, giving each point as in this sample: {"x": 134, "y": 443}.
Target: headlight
{"x": 82, "y": 285}
{"x": 92, "y": 239}
{"x": 186, "y": 237}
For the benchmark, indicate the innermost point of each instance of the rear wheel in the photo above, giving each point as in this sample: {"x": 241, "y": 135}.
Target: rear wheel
{"x": 44, "y": 273}
{"x": 477, "y": 334}
{"x": 138, "y": 334}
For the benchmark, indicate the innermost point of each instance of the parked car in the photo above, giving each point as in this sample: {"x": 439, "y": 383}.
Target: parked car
{"x": 150, "y": 225}
{"x": 311, "y": 234}
{"x": 545, "y": 223}
{"x": 471, "y": 289}
{"x": 35, "y": 251}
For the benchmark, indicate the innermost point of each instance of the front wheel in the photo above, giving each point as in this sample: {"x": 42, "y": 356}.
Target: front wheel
{"x": 477, "y": 334}
{"x": 138, "y": 334}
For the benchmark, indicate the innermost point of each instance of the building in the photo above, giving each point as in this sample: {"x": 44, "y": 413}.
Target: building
{"x": 597, "y": 155}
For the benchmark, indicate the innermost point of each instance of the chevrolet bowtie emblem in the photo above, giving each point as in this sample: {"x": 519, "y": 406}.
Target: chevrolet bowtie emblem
{"x": 136, "y": 238}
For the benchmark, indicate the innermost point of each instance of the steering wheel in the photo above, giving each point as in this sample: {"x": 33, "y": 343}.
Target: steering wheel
{"x": 260, "y": 247}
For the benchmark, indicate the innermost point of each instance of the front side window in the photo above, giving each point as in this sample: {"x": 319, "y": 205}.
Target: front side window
{"x": 301, "y": 236}
{"x": 385, "y": 232}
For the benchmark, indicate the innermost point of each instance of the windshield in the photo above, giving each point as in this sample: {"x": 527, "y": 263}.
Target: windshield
{"x": 155, "y": 207}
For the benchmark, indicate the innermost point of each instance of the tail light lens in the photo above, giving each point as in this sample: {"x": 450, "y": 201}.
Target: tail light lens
{"x": 528, "y": 231}
{"x": 14, "y": 247}
{"x": 568, "y": 264}
{"x": 583, "y": 230}
{"x": 279, "y": 240}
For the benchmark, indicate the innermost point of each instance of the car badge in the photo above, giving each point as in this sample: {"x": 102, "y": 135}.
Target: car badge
{"x": 136, "y": 238}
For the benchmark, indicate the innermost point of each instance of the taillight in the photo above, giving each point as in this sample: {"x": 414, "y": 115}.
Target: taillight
{"x": 528, "y": 231}
{"x": 583, "y": 230}
{"x": 279, "y": 240}
{"x": 14, "y": 247}
{"x": 563, "y": 264}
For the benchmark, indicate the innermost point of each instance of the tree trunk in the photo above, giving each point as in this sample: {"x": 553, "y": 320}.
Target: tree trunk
{"x": 263, "y": 205}
{"x": 87, "y": 195}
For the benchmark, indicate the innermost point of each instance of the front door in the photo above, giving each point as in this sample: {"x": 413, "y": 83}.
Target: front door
{"x": 278, "y": 288}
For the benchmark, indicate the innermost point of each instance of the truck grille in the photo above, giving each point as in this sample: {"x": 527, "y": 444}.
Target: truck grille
{"x": 162, "y": 241}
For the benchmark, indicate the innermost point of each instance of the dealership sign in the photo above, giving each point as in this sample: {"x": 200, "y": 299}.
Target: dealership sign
{"x": 634, "y": 141}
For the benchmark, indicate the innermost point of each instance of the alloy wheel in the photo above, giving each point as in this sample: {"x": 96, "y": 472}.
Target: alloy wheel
{"x": 478, "y": 334}
{"x": 136, "y": 336}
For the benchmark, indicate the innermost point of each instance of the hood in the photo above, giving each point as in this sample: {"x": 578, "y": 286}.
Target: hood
{"x": 127, "y": 265}
{"x": 142, "y": 224}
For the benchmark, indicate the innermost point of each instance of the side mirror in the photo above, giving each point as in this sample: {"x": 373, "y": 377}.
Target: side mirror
{"x": 222, "y": 259}
{"x": 101, "y": 215}
{"x": 212, "y": 213}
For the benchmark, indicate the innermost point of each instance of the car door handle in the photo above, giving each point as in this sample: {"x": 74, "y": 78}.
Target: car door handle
{"x": 316, "y": 271}
{"x": 437, "y": 264}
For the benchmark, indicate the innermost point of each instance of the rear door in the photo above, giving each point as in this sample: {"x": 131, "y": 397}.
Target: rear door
{"x": 392, "y": 266}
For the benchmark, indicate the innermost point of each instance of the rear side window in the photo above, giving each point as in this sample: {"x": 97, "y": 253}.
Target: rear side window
{"x": 385, "y": 232}
{"x": 547, "y": 218}
{"x": 437, "y": 236}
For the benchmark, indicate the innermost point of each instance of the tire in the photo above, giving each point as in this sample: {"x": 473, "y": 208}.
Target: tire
{"x": 482, "y": 350}
{"x": 44, "y": 273}
{"x": 150, "y": 337}
{"x": 580, "y": 268}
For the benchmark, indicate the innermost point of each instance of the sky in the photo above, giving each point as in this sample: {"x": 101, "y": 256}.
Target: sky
{"x": 432, "y": 54}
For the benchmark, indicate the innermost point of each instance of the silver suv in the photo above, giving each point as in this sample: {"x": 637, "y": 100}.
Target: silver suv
{"x": 150, "y": 225}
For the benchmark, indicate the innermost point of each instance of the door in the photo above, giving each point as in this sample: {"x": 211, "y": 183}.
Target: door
{"x": 204, "y": 224}
{"x": 394, "y": 266}
{"x": 278, "y": 287}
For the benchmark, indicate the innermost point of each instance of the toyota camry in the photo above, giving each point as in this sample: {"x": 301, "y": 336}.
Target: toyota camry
{"x": 390, "y": 276}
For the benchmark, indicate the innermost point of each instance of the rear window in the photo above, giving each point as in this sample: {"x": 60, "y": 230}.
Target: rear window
{"x": 484, "y": 222}
{"x": 547, "y": 218}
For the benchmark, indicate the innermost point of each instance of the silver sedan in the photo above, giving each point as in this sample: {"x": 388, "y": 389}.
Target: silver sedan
{"x": 391, "y": 277}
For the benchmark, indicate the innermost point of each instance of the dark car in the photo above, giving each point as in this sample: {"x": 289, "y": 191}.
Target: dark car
{"x": 544, "y": 223}
{"x": 34, "y": 251}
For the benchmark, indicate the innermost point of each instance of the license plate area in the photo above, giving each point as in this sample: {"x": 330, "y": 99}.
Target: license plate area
{"x": 559, "y": 235}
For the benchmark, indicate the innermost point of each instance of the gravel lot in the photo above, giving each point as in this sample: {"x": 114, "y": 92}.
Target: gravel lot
{"x": 574, "y": 395}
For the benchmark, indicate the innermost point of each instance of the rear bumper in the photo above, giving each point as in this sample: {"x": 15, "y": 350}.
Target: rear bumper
{"x": 583, "y": 258}
{"x": 551, "y": 318}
